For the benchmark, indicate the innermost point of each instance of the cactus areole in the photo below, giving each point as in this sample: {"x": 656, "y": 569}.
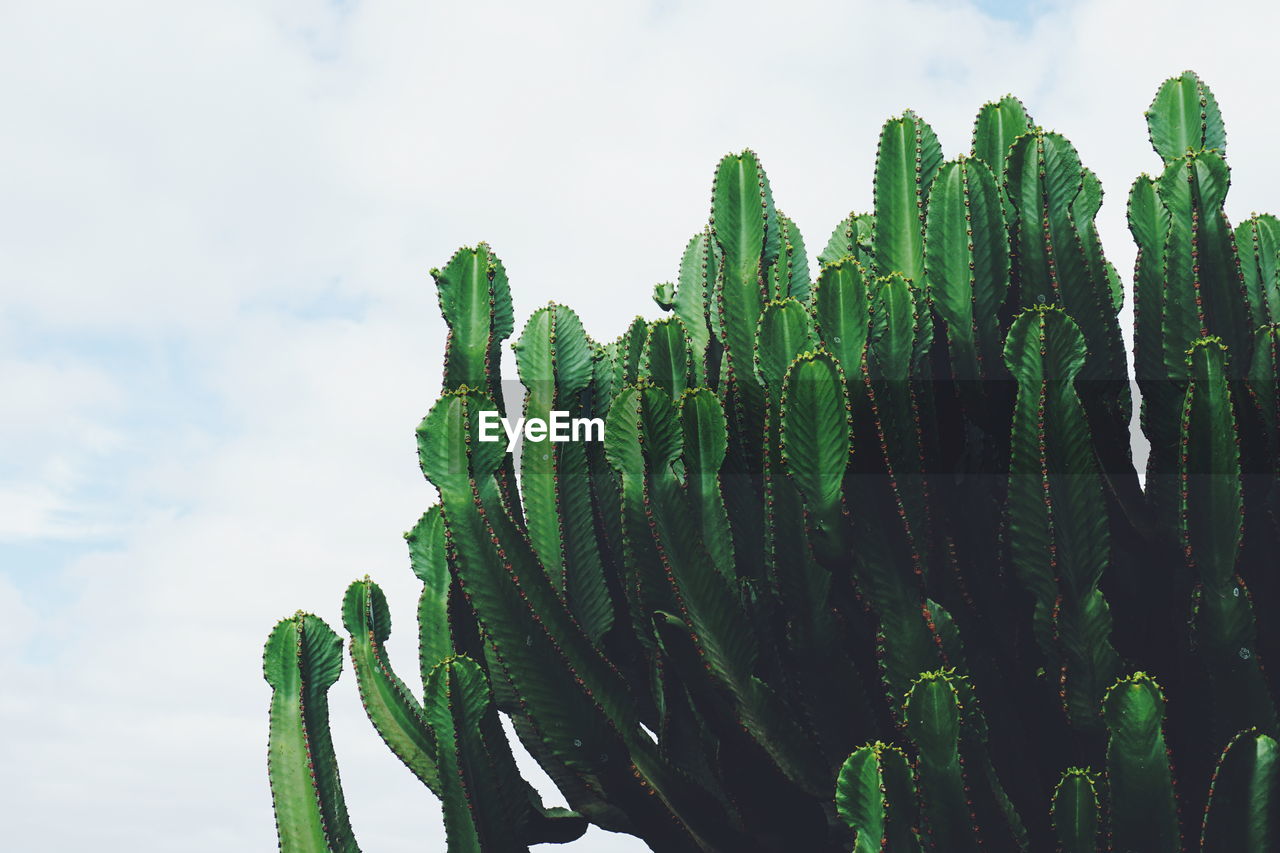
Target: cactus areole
{"x": 854, "y": 556}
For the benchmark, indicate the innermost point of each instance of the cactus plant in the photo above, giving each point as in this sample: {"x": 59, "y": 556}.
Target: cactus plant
{"x": 862, "y": 560}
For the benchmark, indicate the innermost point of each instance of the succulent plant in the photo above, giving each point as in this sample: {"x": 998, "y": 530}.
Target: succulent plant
{"x": 862, "y": 560}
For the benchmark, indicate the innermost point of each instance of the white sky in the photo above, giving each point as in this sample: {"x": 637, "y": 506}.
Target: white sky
{"x": 217, "y": 333}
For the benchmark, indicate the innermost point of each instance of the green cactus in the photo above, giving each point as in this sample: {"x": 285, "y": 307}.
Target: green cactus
{"x": 1210, "y": 521}
{"x": 907, "y": 160}
{"x": 933, "y": 716}
{"x": 1185, "y": 117}
{"x": 1142, "y": 807}
{"x": 302, "y": 660}
{"x": 852, "y": 238}
{"x": 1258, "y": 242}
{"x": 876, "y": 797}
{"x": 1242, "y": 814}
{"x": 996, "y": 126}
{"x": 1075, "y": 810}
{"x": 862, "y": 560}
{"x": 1057, "y": 518}
{"x": 967, "y": 270}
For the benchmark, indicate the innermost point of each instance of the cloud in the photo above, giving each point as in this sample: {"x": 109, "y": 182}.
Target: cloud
{"x": 219, "y": 334}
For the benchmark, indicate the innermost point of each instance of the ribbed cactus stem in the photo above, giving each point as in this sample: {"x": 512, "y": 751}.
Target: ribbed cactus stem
{"x": 1243, "y": 811}
{"x": 996, "y": 126}
{"x": 852, "y": 238}
{"x": 967, "y": 268}
{"x": 1142, "y": 811}
{"x": 1057, "y": 518}
{"x": 302, "y": 660}
{"x": 876, "y": 798}
{"x": 395, "y": 713}
{"x": 1258, "y": 242}
{"x": 1211, "y": 516}
{"x": 1076, "y": 811}
{"x": 933, "y": 715}
{"x": 1184, "y": 117}
{"x": 907, "y": 159}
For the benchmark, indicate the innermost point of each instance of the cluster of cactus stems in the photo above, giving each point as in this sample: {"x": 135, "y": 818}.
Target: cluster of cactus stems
{"x": 863, "y": 561}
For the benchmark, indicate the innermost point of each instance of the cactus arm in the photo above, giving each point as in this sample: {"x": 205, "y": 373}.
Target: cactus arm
{"x": 475, "y": 819}
{"x": 1258, "y": 242}
{"x": 301, "y": 661}
{"x": 841, "y": 312}
{"x": 789, "y": 276}
{"x": 852, "y": 238}
{"x": 1243, "y": 812}
{"x": 667, "y": 357}
{"x": 1184, "y": 117}
{"x": 1057, "y": 516}
{"x": 1142, "y": 809}
{"x": 876, "y": 798}
{"x": 815, "y": 440}
{"x": 907, "y": 158}
{"x": 799, "y": 282}
{"x": 932, "y": 712}
{"x": 475, "y": 299}
{"x": 428, "y": 553}
{"x": 630, "y": 352}
{"x": 1263, "y": 385}
{"x": 555, "y": 363}
{"x": 586, "y": 588}
{"x": 1206, "y": 290}
{"x": 967, "y": 265}
{"x": 697, "y": 279}
{"x": 1044, "y": 178}
{"x": 606, "y": 504}
{"x": 1083, "y": 212}
{"x": 703, "y": 424}
{"x": 888, "y": 556}
{"x": 990, "y": 803}
{"x": 893, "y": 348}
{"x": 560, "y": 680}
{"x": 642, "y": 438}
{"x": 828, "y": 688}
{"x": 995, "y": 127}
{"x": 785, "y": 331}
{"x": 810, "y": 446}
{"x": 428, "y": 559}
{"x": 580, "y": 708}
{"x": 1210, "y": 523}
{"x": 1149, "y": 222}
{"x": 1076, "y": 810}
{"x": 1213, "y": 504}
{"x": 388, "y": 702}
{"x": 538, "y": 359}
{"x": 664, "y": 295}
{"x": 745, "y": 227}
{"x": 487, "y": 804}
{"x": 1183, "y": 317}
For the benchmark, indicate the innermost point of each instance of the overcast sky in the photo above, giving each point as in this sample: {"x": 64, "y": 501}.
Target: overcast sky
{"x": 217, "y": 331}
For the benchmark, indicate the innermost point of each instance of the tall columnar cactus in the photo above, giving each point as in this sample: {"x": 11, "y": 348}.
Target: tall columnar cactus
{"x": 1057, "y": 519}
{"x": 859, "y": 558}
{"x": 303, "y": 659}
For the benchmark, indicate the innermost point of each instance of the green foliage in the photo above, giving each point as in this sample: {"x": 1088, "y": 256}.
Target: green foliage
{"x": 1076, "y": 811}
{"x": 862, "y": 561}
{"x": 876, "y": 798}
{"x": 1243, "y": 813}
